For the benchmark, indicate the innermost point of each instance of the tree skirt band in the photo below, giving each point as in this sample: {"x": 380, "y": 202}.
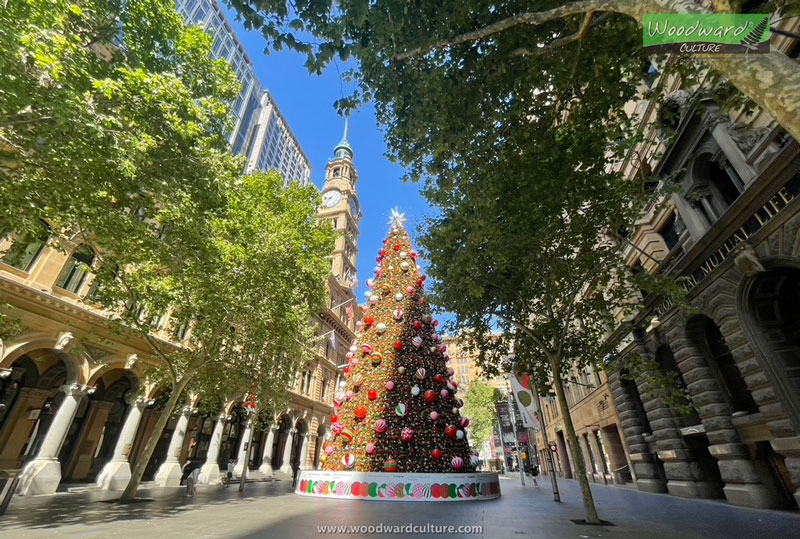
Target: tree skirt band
{"x": 404, "y": 487}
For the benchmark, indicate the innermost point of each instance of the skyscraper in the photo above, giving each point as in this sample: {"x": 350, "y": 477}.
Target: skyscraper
{"x": 260, "y": 132}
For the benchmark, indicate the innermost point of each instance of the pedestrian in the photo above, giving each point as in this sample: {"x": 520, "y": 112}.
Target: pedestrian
{"x": 535, "y": 474}
{"x": 191, "y": 472}
{"x": 229, "y": 471}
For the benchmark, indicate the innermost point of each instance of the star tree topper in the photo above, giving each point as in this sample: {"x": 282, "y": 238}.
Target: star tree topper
{"x": 398, "y": 220}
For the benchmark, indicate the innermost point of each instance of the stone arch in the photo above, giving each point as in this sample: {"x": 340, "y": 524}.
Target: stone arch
{"x": 765, "y": 316}
{"x": 44, "y": 347}
{"x": 129, "y": 363}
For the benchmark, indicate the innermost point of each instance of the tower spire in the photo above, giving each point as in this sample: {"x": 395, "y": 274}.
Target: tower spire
{"x": 343, "y": 149}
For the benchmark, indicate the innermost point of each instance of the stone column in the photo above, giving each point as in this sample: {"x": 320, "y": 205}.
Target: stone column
{"x": 244, "y": 441}
{"x": 43, "y": 474}
{"x": 117, "y": 472}
{"x": 646, "y": 469}
{"x": 169, "y": 473}
{"x": 286, "y": 465}
{"x": 209, "y": 472}
{"x": 266, "y": 460}
{"x": 304, "y": 451}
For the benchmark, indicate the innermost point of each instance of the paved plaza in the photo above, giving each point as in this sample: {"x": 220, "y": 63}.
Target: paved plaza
{"x": 271, "y": 510}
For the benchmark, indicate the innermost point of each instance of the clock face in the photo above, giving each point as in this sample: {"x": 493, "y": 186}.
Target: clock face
{"x": 354, "y": 206}
{"x": 331, "y": 198}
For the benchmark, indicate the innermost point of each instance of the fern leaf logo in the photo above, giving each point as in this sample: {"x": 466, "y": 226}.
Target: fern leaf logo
{"x": 751, "y": 40}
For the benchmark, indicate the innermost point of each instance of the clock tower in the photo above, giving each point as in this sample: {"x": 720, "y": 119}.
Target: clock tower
{"x": 341, "y": 208}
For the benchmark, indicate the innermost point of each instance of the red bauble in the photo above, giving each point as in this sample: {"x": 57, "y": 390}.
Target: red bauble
{"x": 361, "y": 412}
{"x": 335, "y": 419}
{"x": 436, "y": 454}
{"x": 398, "y": 247}
{"x": 398, "y": 346}
{"x": 372, "y": 395}
{"x": 418, "y": 325}
{"x": 347, "y": 370}
{"x": 369, "y": 321}
{"x": 451, "y": 431}
{"x": 439, "y": 379}
{"x": 430, "y": 396}
{"x": 413, "y": 255}
{"x": 382, "y": 252}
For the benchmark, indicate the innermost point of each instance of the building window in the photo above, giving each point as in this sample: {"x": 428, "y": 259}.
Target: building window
{"x": 77, "y": 270}
{"x": 181, "y": 331}
{"x": 671, "y": 231}
{"x": 23, "y": 256}
{"x": 306, "y": 388}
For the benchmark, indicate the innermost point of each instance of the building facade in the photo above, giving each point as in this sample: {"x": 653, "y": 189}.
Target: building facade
{"x": 597, "y": 426}
{"x": 730, "y": 231}
{"x": 260, "y": 133}
{"x": 75, "y": 405}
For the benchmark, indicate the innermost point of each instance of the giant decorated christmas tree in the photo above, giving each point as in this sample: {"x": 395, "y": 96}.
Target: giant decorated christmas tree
{"x": 398, "y": 410}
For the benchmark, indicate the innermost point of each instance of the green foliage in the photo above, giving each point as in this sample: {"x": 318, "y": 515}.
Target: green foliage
{"x": 107, "y": 107}
{"x": 247, "y": 278}
{"x": 479, "y": 407}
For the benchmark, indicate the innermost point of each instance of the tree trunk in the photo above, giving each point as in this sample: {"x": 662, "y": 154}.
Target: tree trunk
{"x": 771, "y": 80}
{"x": 137, "y": 472}
{"x": 572, "y": 439}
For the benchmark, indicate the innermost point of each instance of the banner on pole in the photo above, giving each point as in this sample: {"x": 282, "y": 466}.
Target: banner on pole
{"x": 526, "y": 400}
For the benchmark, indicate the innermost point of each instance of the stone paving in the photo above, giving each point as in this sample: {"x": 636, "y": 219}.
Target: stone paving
{"x": 268, "y": 510}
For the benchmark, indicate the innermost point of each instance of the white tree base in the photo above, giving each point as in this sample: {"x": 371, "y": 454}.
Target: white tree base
{"x": 169, "y": 475}
{"x": 266, "y": 469}
{"x": 209, "y": 474}
{"x": 403, "y": 487}
{"x": 115, "y": 475}
{"x": 40, "y": 477}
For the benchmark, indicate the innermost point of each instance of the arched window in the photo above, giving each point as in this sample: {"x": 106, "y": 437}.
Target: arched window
{"x": 77, "y": 269}
{"x": 24, "y": 254}
{"x": 667, "y": 364}
{"x": 725, "y": 370}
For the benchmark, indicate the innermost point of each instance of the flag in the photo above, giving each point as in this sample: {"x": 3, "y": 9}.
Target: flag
{"x": 526, "y": 400}
{"x": 333, "y": 339}
{"x": 350, "y": 313}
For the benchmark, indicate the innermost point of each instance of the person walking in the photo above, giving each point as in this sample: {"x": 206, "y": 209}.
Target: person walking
{"x": 535, "y": 474}
{"x": 192, "y": 472}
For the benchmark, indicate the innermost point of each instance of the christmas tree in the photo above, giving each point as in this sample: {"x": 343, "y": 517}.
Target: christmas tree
{"x": 398, "y": 410}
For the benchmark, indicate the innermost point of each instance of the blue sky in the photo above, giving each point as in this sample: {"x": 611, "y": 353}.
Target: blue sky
{"x": 307, "y": 103}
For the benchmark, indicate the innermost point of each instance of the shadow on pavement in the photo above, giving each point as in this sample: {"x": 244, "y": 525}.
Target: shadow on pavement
{"x": 59, "y": 510}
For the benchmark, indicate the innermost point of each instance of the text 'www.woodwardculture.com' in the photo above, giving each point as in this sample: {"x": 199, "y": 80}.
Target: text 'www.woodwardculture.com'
{"x": 398, "y": 528}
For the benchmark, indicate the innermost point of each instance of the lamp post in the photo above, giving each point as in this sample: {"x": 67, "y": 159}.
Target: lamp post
{"x": 556, "y": 494}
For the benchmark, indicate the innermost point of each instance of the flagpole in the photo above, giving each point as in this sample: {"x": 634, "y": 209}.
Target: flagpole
{"x": 343, "y": 303}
